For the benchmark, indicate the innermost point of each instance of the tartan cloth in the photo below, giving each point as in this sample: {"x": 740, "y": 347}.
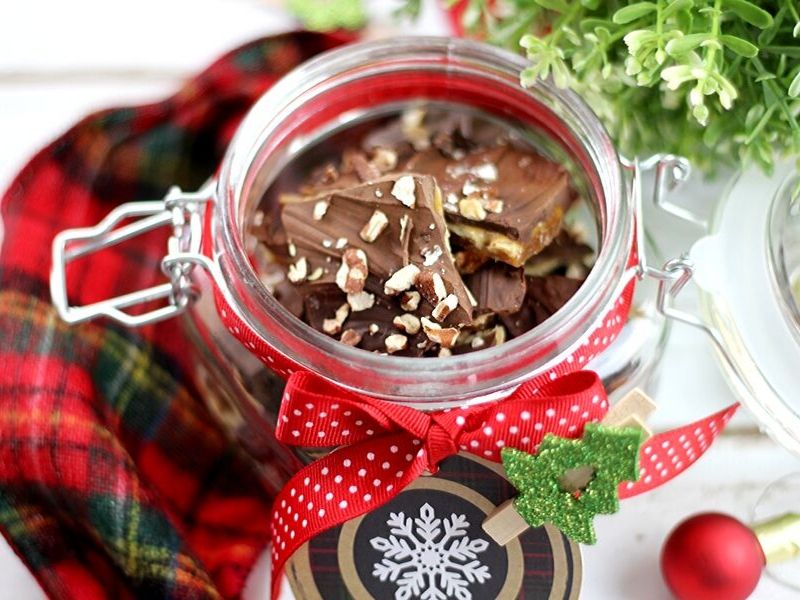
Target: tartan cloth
{"x": 115, "y": 481}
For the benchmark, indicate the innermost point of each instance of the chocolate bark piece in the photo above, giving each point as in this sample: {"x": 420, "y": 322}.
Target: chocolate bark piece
{"x": 504, "y": 201}
{"x": 415, "y": 233}
{"x": 543, "y": 297}
{"x": 374, "y": 324}
{"x": 498, "y": 288}
{"x": 273, "y": 276}
{"x": 566, "y": 255}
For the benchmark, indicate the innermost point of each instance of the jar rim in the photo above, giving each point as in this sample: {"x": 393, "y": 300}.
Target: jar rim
{"x": 455, "y": 378}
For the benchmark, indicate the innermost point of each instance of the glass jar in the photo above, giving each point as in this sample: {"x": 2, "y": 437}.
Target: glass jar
{"x": 238, "y": 327}
{"x": 747, "y": 268}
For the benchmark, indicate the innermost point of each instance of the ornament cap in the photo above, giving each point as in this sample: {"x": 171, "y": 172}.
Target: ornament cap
{"x": 779, "y": 537}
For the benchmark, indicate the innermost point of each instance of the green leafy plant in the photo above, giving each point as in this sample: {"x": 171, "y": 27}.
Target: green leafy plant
{"x": 327, "y": 15}
{"x": 717, "y": 81}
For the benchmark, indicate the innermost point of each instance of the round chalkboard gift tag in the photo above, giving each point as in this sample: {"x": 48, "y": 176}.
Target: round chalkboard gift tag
{"x": 427, "y": 543}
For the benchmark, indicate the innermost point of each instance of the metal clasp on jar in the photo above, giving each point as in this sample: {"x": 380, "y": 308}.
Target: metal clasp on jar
{"x": 182, "y": 211}
{"x": 669, "y": 172}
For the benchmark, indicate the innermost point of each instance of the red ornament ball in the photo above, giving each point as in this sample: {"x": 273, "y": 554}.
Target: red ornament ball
{"x": 712, "y": 556}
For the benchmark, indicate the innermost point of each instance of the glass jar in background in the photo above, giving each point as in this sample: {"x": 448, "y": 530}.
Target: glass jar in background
{"x": 746, "y": 268}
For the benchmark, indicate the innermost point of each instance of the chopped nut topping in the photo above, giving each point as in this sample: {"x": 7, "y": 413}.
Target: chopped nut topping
{"x": 361, "y": 301}
{"x": 366, "y": 171}
{"x": 445, "y": 307}
{"x": 431, "y": 285}
{"x": 444, "y": 336}
{"x": 500, "y": 335}
{"x": 472, "y": 209}
{"x": 375, "y": 226}
{"x": 373, "y": 328}
{"x": 401, "y": 280}
{"x": 384, "y": 159}
{"x": 404, "y": 190}
{"x": 334, "y": 325}
{"x": 410, "y": 300}
{"x": 482, "y": 321}
{"x": 298, "y": 271}
{"x": 477, "y": 342}
{"x": 330, "y": 174}
{"x": 292, "y": 249}
{"x": 341, "y": 243}
{"x": 258, "y": 218}
{"x": 320, "y": 208}
{"x": 352, "y": 274}
{"x": 378, "y": 194}
{"x": 350, "y": 337}
{"x": 438, "y": 287}
{"x": 470, "y": 188}
{"x": 316, "y": 274}
{"x": 431, "y": 255}
{"x": 486, "y": 171}
{"x": 443, "y": 352}
{"x": 451, "y": 198}
{"x": 407, "y": 323}
{"x": 327, "y": 243}
{"x": 414, "y": 130}
{"x": 396, "y": 342}
{"x": 493, "y": 205}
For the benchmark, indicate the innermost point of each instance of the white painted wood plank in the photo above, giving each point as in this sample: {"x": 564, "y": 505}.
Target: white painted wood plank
{"x": 15, "y": 576}
{"x": 172, "y": 36}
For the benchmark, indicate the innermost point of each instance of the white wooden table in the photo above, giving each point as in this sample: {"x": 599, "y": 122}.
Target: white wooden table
{"x": 59, "y": 60}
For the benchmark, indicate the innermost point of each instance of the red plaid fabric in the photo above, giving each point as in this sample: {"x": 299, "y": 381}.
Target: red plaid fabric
{"x": 115, "y": 481}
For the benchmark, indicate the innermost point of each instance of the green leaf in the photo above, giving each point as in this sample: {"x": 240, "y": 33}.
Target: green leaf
{"x": 751, "y": 13}
{"x": 794, "y": 87}
{"x": 685, "y": 19}
{"x": 796, "y": 30}
{"x": 738, "y": 45}
{"x": 590, "y": 4}
{"x": 632, "y": 12}
{"x": 687, "y": 43}
{"x": 556, "y": 5}
{"x": 675, "y": 6}
{"x": 590, "y": 24}
{"x": 790, "y": 51}
{"x": 753, "y": 116}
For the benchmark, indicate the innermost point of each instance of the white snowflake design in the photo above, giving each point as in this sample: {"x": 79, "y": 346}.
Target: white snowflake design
{"x": 430, "y": 558}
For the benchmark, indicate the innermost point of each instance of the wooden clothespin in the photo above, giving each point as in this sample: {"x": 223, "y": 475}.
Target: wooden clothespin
{"x": 505, "y": 523}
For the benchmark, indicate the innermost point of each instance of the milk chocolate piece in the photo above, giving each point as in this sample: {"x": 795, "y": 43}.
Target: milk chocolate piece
{"x": 504, "y": 201}
{"x": 416, "y": 233}
{"x": 543, "y": 297}
{"x": 497, "y": 288}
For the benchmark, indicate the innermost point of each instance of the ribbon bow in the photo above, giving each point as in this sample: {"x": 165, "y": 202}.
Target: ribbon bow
{"x": 383, "y": 447}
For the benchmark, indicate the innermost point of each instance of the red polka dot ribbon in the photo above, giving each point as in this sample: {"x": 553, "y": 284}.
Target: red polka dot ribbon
{"x": 383, "y": 446}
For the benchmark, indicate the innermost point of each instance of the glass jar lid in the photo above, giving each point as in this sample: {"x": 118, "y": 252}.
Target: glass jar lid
{"x": 748, "y": 270}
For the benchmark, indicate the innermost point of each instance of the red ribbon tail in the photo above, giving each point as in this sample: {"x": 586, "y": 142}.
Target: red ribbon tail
{"x": 670, "y": 453}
